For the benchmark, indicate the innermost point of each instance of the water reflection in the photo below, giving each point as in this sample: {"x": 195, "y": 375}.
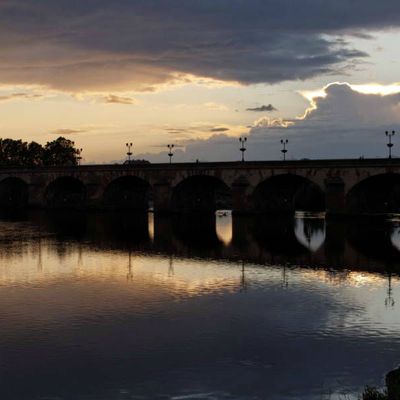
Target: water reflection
{"x": 395, "y": 236}
{"x": 115, "y": 305}
{"x": 151, "y": 225}
{"x": 304, "y": 241}
{"x": 129, "y": 275}
{"x": 310, "y": 232}
{"x": 224, "y": 227}
{"x": 375, "y": 242}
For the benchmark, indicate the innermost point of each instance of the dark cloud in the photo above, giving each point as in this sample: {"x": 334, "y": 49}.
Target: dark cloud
{"x": 114, "y": 99}
{"x": 197, "y": 129}
{"x": 67, "y": 131}
{"x": 344, "y": 124}
{"x": 264, "y": 108}
{"x": 178, "y": 130}
{"x": 219, "y": 129}
{"x": 20, "y": 96}
{"x": 122, "y": 44}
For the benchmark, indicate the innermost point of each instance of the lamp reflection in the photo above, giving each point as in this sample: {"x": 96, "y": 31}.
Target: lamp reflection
{"x": 285, "y": 277}
{"x": 243, "y": 281}
{"x": 389, "y": 301}
{"x": 40, "y": 261}
{"x": 80, "y": 256}
{"x": 129, "y": 275}
{"x": 171, "y": 271}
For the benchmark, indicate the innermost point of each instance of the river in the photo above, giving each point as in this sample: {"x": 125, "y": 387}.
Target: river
{"x": 123, "y": 306}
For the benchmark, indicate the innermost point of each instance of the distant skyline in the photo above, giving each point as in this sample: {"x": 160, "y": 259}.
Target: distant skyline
{"x": 199, "y": 74}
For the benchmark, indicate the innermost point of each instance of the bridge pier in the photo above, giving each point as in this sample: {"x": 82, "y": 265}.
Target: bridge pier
{"x": 36, "y": 198}
{"x": 94, "y": 193}
{"x": 335, "y": 197}
{"x": 241, "y": 203}
{"x": 162, "y": 195}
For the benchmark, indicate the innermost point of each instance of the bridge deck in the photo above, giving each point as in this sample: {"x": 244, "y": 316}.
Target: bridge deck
{"x": 307, "y": 163}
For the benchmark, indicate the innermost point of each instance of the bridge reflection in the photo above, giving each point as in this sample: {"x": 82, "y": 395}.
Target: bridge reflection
{"x": 305, "y": 240}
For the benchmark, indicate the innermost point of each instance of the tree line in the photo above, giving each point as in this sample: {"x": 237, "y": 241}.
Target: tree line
{"x": 17, "y": 153}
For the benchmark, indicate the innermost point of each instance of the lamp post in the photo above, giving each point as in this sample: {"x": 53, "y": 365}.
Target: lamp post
{"x": 170, "y": 152}
{"x": 79, "y": 157}
{"x": 284, "y": 150}
{"x": 129, "y": 152}
{"x": 242, "y": 141}
{"x": 390, "y": 144}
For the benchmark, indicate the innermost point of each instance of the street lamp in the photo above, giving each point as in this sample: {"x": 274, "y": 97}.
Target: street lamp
{"x": 390, "y": 144}
{"x": 129, "y": 152}
{"x": 284, "y": 151}
{"x": 170, "y": 153}
{"x": 242, "y": 141}
{"x": 79, "y": 157}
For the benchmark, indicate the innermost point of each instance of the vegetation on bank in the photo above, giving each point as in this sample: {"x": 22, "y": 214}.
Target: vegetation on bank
{"x": 59, "y": 152}
{"x": 371, "y": 393}
{"x": 392, "y": 391}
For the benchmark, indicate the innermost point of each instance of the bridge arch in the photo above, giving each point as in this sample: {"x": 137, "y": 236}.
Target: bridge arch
{"x": 128, "y": 192}
{"x": 66, "y": 192}
{"x": 201, "y": 193}
{"x": 378, "y": 194}
{"x": 287, "y": 193}
{"x": 14, "y": 193}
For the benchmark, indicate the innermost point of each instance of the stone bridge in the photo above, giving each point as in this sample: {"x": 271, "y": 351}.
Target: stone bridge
{"x": 335, "y": 186}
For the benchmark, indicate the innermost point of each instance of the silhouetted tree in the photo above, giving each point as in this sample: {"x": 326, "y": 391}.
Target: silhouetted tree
{"x": 12, "y": 152}
{"x": 60, "y": 152}
{"x": 17, "y": 153}
{"x": 35, "y": 154}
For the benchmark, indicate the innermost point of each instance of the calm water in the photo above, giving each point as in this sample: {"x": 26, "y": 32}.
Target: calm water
{"x": 128, "y": 307}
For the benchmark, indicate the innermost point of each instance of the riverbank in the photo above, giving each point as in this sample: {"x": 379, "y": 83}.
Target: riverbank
{"x": 392, "y": 391}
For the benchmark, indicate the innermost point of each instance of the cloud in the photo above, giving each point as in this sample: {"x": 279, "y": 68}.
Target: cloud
{"x": 340, "y": 123}
{"x": 219, "y": 129}
{"x": 266, "y": 122}
{"x": 202, "y": 131}
{"x": 67, "y": 131}
{"x": 115, "y": 99}
{"x": 264, "y": 108}
{"x": 138, "y": 45}
{"x": 20, "y": 96}
{"x": 216, "y": 106}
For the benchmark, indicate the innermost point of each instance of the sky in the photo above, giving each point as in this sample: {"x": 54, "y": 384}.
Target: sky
{"x": 199, "y": 74}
